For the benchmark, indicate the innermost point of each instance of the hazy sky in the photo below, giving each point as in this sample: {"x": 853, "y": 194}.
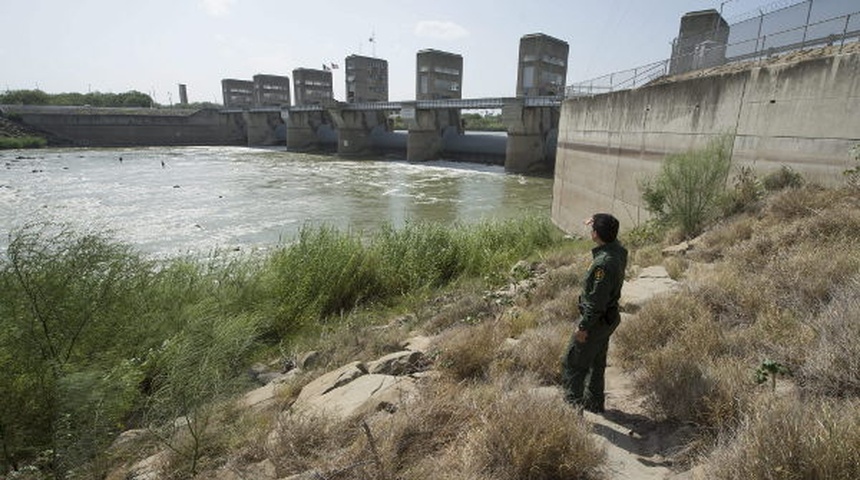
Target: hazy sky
{"x": 153, "y": 45}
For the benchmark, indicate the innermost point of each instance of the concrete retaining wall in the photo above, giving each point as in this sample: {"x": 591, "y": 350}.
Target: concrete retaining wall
{"x": 115, "y": 128}
{"x": 804, "y": 115}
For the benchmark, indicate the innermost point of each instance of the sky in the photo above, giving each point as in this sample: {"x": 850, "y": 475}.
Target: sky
{"x": 152, "y": 46}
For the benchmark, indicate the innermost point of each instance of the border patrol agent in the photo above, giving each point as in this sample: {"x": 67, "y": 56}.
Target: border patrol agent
{"x": 584, "y": 365}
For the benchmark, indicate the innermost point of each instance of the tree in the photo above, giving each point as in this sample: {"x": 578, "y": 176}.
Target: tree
{"x": 71, "y": 305}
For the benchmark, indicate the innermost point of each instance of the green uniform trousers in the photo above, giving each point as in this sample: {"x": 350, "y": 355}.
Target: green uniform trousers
{"x": 584, "y": 365}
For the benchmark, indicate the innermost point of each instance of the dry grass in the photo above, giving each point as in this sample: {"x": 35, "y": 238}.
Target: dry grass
{"x": 714, "y": 242}
{"x": 508, "y": 431}
{"x": 556, "y": 282}
{"x": 471, "y": 307}
{"x": 525, "y": 436}
{"x": 538, "y": 351}
{"x": 832, "y": 366}
{"x": 505, "y": 430}
{"x": 466, "y": 352}
{"x": 655, "y": 326}
{"x": 675, "y": 267}
{"x": 707, "y": 393}
{"x": 786, "y": 438}
{"x": 647, "y": 256}
{"x": 305, "y": 442}
{"x": 775, "y": 296}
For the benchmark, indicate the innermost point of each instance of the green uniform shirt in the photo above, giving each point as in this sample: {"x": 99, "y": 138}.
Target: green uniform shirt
{"x": 602, "y": 287}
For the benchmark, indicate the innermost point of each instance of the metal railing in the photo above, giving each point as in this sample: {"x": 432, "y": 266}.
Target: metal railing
{"x": 623, "y": 80}
{"x": 807, "y": 24}
{"x": 458, "y": 103}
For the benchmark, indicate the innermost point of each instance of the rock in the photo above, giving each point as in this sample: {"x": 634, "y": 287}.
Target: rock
{"x": 651, "y": 281}
{"x": 399, "y": 363}
{"x": 678, "y": 250}
{"x": 129, "y": 436}
{"x": 332, "y": 380}
{"x": 149, "y": 468}
{"x": 262, "y": 396}
{"x": 307, "y": 360}
{"x": 275, "y": 377}
{"x": 366, "y": 394}
{"x": 418, "y": 344}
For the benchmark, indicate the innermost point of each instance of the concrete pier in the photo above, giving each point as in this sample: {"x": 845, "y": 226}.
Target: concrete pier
{"x": 354, "y": 129}
{"x": 261, "y": 128}
{"x": 427, "y": 128}
{"x": 303, "y": 129}
{"x": 530, "y": 135}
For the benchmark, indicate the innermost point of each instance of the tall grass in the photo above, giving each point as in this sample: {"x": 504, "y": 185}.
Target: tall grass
{"x": 326, "y": 272}
{"x": 96, "y": 338}
{"x": 8, "y": 143}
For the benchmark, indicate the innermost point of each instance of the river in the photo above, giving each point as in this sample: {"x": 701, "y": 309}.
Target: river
{"x": 198, "y": 200}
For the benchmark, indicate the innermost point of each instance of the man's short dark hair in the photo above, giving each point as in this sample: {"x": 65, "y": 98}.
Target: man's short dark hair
{"x": 606, "y": 226}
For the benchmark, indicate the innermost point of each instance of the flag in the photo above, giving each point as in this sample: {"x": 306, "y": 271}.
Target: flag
{"x": 334, "y": 66}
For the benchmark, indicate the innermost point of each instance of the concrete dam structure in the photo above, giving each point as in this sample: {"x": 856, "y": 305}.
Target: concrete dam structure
{"x": 799, "y": 111}
{"x": 141, "y": 127}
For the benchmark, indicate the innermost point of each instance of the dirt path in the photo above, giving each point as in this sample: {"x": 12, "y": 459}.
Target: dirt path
{"x": 637, "y": 447}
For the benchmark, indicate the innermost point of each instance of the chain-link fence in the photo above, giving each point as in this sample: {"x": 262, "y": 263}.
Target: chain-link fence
{"x": 808, "y": 24}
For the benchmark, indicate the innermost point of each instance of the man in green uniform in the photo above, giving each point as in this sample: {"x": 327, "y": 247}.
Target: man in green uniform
{"x": 585, "y": 360}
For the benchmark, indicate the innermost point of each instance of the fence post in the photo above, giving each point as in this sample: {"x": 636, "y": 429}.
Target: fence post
{"x": 758, "y": 35}
{"x": 806, "y": 26}
{"x": 844, "y": 32}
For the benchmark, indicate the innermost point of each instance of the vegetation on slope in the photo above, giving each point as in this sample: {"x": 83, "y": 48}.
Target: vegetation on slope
{"x": 98, "y": 339}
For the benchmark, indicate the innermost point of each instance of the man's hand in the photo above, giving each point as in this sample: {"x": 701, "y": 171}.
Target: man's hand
{"x": 581, "y": 336}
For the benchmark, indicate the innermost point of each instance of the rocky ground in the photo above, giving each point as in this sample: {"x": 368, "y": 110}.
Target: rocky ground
{"x": 637, "y": 446}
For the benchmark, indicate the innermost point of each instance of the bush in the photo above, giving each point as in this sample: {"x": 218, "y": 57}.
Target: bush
{"x": 747, "y": 191}
{"x": 327, "y": 272}
{"x": 689, "y": 185}
{"x": 781, "y": 179}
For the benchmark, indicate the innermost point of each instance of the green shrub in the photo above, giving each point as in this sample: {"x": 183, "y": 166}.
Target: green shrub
{"x": 686, "y": 191}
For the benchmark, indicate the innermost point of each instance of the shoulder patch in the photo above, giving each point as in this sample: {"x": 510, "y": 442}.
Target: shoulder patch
{"x": 599, "y": 273}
